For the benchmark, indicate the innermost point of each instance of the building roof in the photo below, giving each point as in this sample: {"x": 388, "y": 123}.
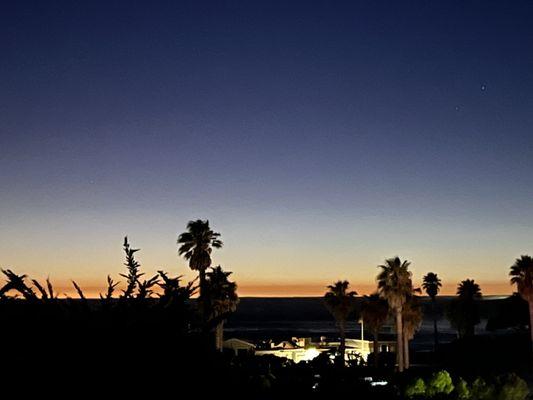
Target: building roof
{"x": 234, "y": 343}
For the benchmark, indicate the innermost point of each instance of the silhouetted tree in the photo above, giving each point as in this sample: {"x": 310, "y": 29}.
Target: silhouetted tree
{"x": 412, "y": 316}
{"x": 341, "y": 303}
{"x": 463, "y": 312}
{"x": 136, "y": 288}
{"x": 395, "y": 285}
{"x": 175, "y": 300}
{"x": 133, "y": 266}
{"x": 469, "y": 290}
{"x": 221, "y": 300}
{"x": 196, "y": 245}
{"x": 432, "y": 284}
{"x": 374, "y": 312}
{"x": 522, "y": 276}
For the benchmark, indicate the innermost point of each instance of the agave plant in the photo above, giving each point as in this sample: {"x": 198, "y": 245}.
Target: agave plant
{"x": 145, "y": 287}
{"x": 47, "y": 293}
{"x": 17, "y": 283}
{"x": 79, "y": 291}
{"x": 173, "y": 292}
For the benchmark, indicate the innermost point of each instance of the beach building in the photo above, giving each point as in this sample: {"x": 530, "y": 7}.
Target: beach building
{"x": 306, "y": 349}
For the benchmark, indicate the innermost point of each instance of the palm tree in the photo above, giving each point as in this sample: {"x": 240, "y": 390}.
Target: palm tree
{"x": 196, "y": 245}
{"x": 412, "y": 316}
{"x": 469, "y": 290}
{"x": 221, "y": 298}
{"x": 431, "y": 284}
{"x": 463, "y": 311}
{"x": 395, "y": 285}
{"x": 340, "y": 302}
{"x": 522, "y": 276}
{"x": 374, "y": 312}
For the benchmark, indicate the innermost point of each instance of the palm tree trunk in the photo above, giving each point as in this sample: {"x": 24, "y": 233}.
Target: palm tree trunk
{"x": 531, "y": 318}
{"x": 399, "y": 339}
{"x": 435, "y": 329}
{"x": 342, "y": 347}
{"x": 201, "y": 303}
{"x": 201, "y": 273}
{"x": 219, "y": 336}
{"x": 376, "y": 348}
{"x": 406, "y": 350}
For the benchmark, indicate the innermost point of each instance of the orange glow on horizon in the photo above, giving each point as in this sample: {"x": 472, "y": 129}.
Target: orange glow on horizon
{"x": 256, "y": 289}
{"x": 318, "y": 289}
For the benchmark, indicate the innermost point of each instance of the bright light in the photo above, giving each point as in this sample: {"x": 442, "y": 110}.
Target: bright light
{"x": 310, "y": 354}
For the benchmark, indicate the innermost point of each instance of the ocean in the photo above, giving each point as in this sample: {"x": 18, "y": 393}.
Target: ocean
{"x": 277, "y": 319}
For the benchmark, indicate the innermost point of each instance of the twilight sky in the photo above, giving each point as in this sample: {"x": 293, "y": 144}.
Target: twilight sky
{"x": 318, "y": 138}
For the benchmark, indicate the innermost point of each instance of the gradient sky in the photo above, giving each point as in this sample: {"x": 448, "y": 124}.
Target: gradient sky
{"x": 318, "y": 137}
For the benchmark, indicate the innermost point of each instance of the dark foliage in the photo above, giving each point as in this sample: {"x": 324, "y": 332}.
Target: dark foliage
{"x": 513, "y": 313}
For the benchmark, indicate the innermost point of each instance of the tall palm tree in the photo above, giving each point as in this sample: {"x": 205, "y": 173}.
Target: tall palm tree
{"x": 431, "y": 284}
{"x": 341, "y": 303}
{"x": 196, "y": 245}
{"x": 412, "y": 316}
{"x": 221, "y": 298}
{"x": 395, "y": 285}
{"x": 374, "y": 312}
{"x": 522, "y": 276}
{"x": 463, "y": 311}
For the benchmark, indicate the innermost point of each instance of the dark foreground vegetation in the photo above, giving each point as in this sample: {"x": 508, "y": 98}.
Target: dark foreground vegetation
{"x": 155, "y": 337}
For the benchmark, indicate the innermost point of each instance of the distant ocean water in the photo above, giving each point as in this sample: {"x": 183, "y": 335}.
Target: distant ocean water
{"x": 282, "y": 318}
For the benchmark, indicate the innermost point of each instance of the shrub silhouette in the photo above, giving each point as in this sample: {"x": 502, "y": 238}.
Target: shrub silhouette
{"x": 440, "y": 386}
{"x": 462, "y": 391}
{"x": 415, "y": 389}
{"x": 64, "y": 323}
{"x": 440, "y": 383}
{"x": 481, "y": 390}
{"x": 512, "y": 387}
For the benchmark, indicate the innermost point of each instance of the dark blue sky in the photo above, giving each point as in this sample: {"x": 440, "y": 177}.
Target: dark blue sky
{"x": 386, "y": 127}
